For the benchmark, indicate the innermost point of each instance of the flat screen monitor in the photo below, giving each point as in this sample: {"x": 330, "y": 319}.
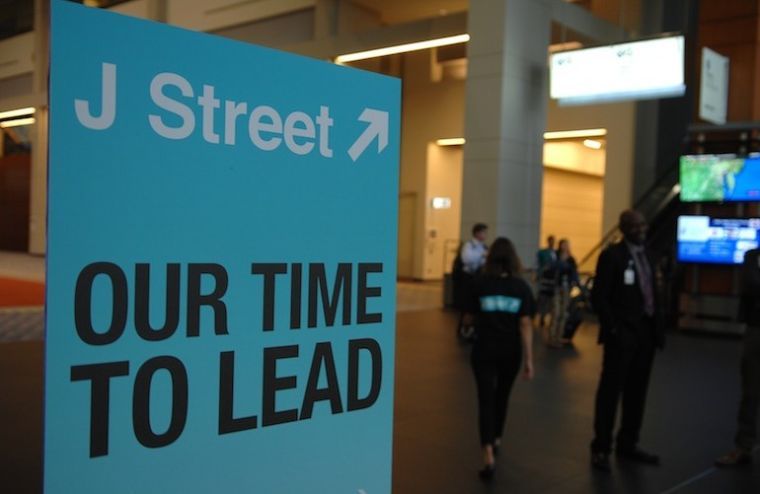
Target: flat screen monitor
{"x": 643, "y": 69}
{"x": 720, "y": 177}
{"x": 702, "y": 239}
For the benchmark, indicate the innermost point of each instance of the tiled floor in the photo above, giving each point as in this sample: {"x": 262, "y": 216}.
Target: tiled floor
{"x": 21, "y": 323}
{"x": 690, "y": 415}
{"x": 412, "y": 296}
{"x": 690, "y": 418}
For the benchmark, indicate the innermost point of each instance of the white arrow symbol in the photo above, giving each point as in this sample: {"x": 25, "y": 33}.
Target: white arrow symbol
{"x": 378, "y": 127}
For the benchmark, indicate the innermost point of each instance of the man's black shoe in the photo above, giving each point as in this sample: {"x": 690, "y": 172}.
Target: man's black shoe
{"x": 735, "y": 458}
{"x": 638, "y": 455}
{"x": 601, "y": 462}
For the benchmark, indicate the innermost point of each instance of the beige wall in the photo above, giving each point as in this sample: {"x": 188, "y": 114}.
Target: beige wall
{"x": 431, "y": 110}
{"x": 619, "y": 120}
{"x": 575, "y": 157}
{"x": 572, "y": 198}
{"x": 571, "y": 207}
{"x": 434, "y": 110}
{"x": 572, "y": 201}
{"x": 210, "y": 15}
{"x": 444, "y": 179}
{"x": 16, "y": 56}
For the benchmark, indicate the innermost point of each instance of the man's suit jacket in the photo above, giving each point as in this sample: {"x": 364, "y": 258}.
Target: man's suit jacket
{"x": 620, "y": 306}
{"x": 749, "y": 303}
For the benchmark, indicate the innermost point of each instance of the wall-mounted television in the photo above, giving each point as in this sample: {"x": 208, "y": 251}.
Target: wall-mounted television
{"x": 720, "y": 177}
{"x": 702, "y": 239}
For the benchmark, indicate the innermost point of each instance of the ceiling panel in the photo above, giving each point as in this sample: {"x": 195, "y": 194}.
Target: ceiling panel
{"x": 398, "y": 11}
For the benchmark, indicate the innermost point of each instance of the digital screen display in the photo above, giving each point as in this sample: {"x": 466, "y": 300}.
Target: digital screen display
{"x": 702, "y": 239}
{"x": 719, "y": 178}
{"x": 645, "y": 69}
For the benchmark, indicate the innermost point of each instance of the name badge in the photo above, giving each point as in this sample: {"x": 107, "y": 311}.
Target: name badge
{"x": 629, "y": 277}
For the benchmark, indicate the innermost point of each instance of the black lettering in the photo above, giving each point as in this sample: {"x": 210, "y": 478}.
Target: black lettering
{"x": 141, "y": 402}
{"x": 214, "y": 299}
{"x": 317, "y": 277}
{"x": 269, "y": 270}
{"x": 142, "y": 303}
{"x": 228, "y": 423}
{"x": 365, "y": 292}
{"x": 354, "y": 347}
{"x": 83, "y": 303}
{"x": 273, "y": 384}
{"x": 323, "y": 357}
{"x": 295, "y": 296}
{"x": 100, "y": 391}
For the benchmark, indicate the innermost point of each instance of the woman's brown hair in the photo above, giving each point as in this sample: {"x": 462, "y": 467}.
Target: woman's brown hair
{"x": 502, "y": 258}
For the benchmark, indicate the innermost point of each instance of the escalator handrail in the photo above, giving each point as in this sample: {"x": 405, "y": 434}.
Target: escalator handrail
{"x": 614, "y": 232}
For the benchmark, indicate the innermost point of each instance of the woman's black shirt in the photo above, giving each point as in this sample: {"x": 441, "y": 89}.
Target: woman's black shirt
{"x": 499, "y": 302}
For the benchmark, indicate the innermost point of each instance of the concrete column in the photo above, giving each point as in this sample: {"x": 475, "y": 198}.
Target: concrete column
{"x": 38, "y": 195}
{"x": 157, "y": 10}
{"x": 337, "y": 17}
{"x": 505, "y": 117}
{"x": 325, "y": 18}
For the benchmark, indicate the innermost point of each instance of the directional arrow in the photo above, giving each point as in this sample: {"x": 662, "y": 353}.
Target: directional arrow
{"x": 378, "y": 127}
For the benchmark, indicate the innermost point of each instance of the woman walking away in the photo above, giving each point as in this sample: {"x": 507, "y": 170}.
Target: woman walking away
{"x": 566, "y": 277}
{"x": 503, "y": 307}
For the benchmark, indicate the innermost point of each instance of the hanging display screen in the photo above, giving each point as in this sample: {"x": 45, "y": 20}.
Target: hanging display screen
{"x": 702, "y": 239}
{"x": 719, "y": 178}
{"x": 646, "y": 69}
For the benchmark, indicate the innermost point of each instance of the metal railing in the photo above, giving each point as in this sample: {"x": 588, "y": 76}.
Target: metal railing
{"x": 651, "y": 204}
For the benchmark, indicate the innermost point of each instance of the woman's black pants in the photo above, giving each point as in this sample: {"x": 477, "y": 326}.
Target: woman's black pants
{"x": 494, "y": 375}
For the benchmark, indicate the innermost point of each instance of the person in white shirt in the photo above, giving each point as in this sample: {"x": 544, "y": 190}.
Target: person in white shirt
{"x": 474, "y": 250}
{"x": 473, "y": 257}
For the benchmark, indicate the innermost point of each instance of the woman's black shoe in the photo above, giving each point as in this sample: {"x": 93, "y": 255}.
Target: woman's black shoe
{"x": 487, "y": 472}
{"x": 601, "y": 462}
{"x": 735, "y": 458}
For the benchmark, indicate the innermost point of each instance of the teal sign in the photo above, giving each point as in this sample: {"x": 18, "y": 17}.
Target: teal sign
{"x": 221, "y": 265}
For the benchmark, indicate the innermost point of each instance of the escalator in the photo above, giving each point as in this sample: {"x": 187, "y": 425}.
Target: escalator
{"x": 659, "y": 205}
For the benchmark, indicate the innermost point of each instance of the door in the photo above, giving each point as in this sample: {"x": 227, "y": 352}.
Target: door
{"x": 407, "y": 209}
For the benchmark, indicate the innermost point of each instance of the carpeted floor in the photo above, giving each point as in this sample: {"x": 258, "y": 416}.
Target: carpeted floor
{"x": 21, "y": 293}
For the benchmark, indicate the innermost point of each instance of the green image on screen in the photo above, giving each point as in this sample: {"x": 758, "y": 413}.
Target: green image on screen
{"x": 708, "y": 177}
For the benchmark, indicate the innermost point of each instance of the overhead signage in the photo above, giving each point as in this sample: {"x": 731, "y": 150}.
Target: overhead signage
{"x": 221, "y": 265}
{"x": 713, "y": 88}
{"x": 647, "y": 69}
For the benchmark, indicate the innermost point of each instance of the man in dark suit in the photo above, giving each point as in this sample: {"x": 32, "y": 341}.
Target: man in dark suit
{"x": 749, "y": 312}
{"x": 624, "y": 297}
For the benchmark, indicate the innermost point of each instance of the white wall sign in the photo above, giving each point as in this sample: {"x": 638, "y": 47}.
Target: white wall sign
{"x": 441, "y": 202}
{"x": 713, "y": 89}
